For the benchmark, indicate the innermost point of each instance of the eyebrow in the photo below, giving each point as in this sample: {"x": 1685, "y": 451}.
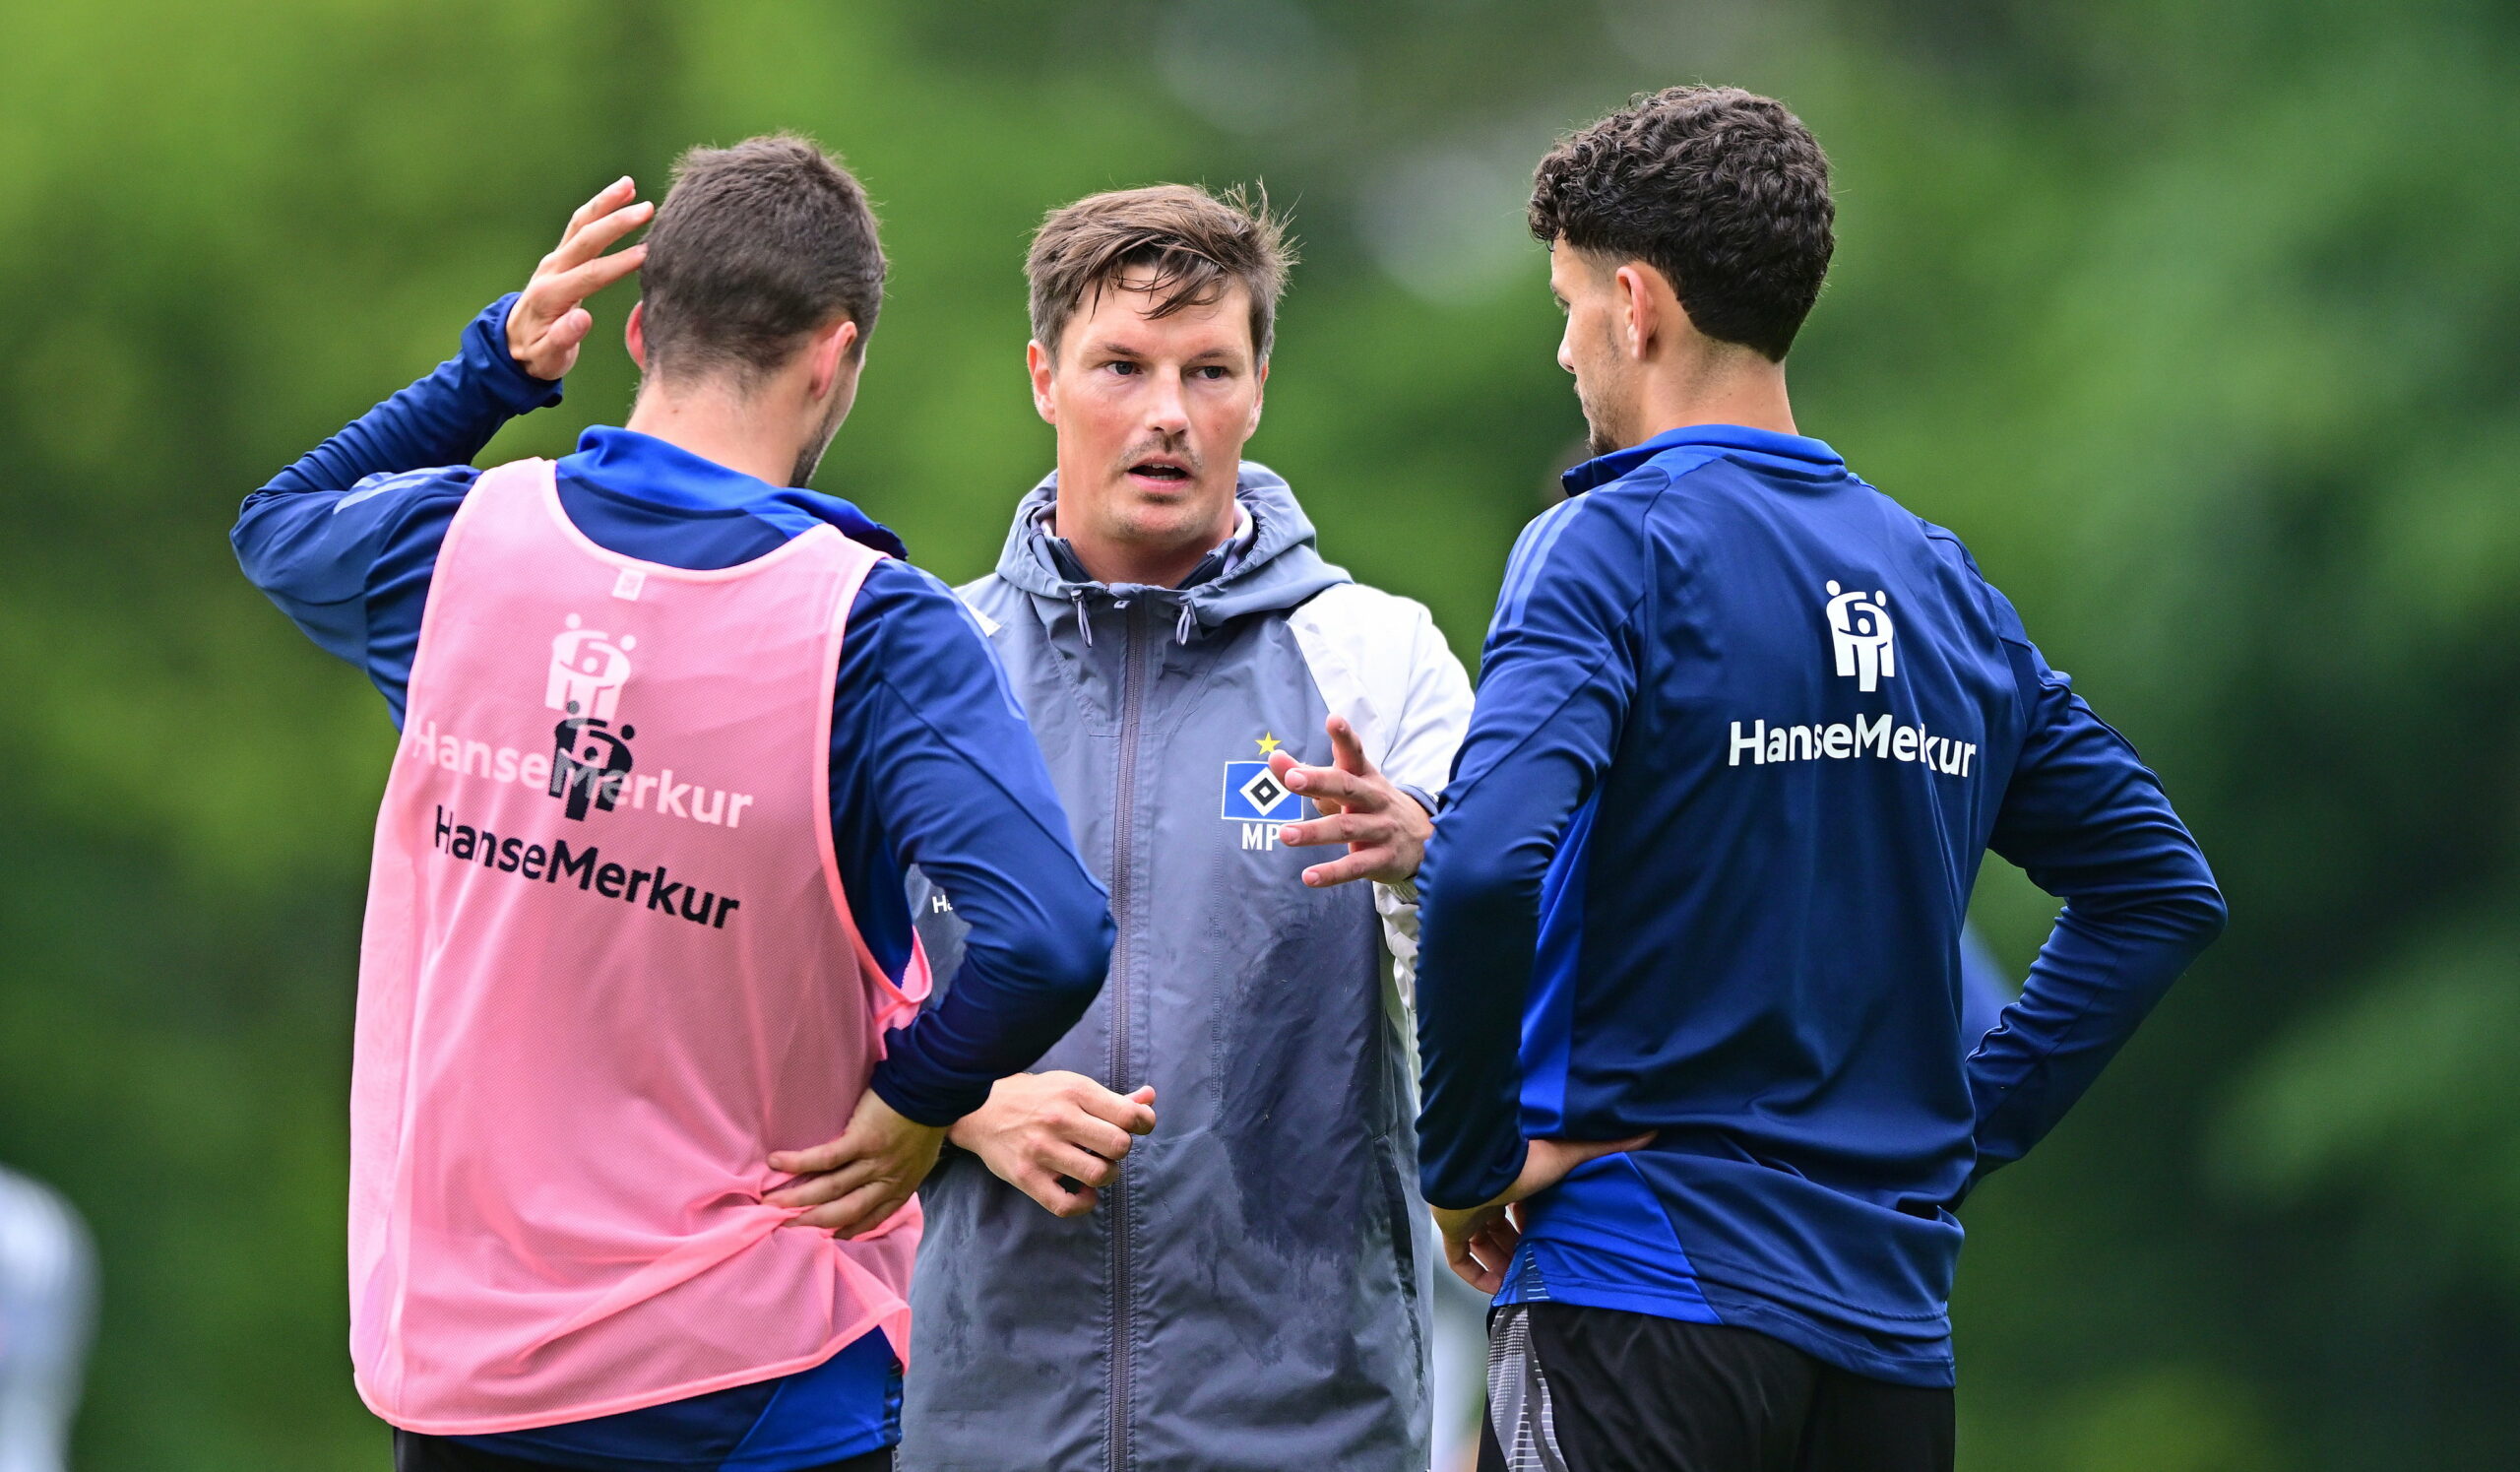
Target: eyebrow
{"x": 1108, "y": 348}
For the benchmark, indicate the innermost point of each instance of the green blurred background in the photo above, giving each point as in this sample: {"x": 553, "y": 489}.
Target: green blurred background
{"x": 2197, "y": 322}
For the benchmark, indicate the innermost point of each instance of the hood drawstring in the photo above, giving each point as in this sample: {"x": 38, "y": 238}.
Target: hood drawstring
{"x": 1181, "y": 629}
{"x": 1084, "y": 625}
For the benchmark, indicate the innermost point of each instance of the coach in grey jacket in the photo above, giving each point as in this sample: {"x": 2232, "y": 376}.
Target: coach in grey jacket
{"x": 1235, "y": 1269}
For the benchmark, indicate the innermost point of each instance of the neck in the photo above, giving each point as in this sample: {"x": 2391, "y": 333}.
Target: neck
{"x": 714, "y": 423}
{"x": 1111, "y": 560}
{"x": 1733, "y": 386}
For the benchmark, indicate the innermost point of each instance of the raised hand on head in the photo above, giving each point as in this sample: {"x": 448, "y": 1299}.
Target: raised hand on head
{"x": 549, "y": 321}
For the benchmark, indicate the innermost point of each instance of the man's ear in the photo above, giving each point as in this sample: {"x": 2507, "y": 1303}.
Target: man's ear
{"x": 634, "y": 334}
{"x": 1640, "y": 310}
{"x": 1039, "y": 362}
{"x": 831, "y": 359}
{"x": 1259, "y": 397}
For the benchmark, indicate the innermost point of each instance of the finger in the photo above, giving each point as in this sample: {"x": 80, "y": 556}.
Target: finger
{"x": 862, "y": 1210}
{"x": 609, "y": 197}
{"x": 598, "y": 236}
{"x": 828, "y": 1185}
{"x": 1102, "y": 1137}
{"x": 580, "y": 283}
{"x": 1340, "y": 828}
{"x": 814, "y": 1158}
{"x": 1343, "y": 787}
{"x": 1471, "y": 1270}
{"x": 1055, "y": 1198}
{"x": 1079, "y": 1166}
{"x": 1346, "y": 750}
{"x": 1129, "y": 1113}
{"x": 1362, "y": 865}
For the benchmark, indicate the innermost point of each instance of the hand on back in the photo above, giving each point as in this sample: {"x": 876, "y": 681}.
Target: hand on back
{"x": 1059, "y": 1137}
{"x": 853, "y": 1184}
{"x": 549, "y": 321}
{"x": 1383, "y": 827}
{"x": 1480, "y": 1240}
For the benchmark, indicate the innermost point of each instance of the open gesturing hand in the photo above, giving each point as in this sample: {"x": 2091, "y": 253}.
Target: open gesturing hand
{"x": 549, "y": 322}
{"x": 1383, "y": 827}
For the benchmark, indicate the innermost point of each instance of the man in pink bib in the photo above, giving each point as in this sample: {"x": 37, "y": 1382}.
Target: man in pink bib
{"x": 638, "y": 980}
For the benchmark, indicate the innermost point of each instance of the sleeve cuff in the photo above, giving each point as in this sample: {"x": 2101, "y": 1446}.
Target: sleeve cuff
{"x": 937, "y": 1109}
{"x": 1482, "y": 1191}
{"x": 485, "y": 355}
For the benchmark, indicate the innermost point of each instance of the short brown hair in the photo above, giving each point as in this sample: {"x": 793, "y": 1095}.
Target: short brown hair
{"x": 1722, "y": 191}
{"x": 1194, "y": 243}
{"x": 755, "y": 246}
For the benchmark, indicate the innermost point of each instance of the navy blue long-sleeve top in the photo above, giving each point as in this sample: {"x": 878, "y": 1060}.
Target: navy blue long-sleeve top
{"x": 1744, "y": 730}
{"x": 932, "y": 763}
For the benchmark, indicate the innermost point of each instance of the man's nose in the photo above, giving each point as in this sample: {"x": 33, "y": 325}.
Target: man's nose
{"x": 1167, "y": 408}
{"x": 1565, "y": 349}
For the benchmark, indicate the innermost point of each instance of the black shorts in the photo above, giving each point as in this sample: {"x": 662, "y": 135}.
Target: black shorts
{"x": 1573, "y": 1390}
{"x": 413, "y": 1452}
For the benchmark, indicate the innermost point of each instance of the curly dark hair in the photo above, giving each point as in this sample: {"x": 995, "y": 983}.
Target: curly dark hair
{"x": 1722, "y": 190}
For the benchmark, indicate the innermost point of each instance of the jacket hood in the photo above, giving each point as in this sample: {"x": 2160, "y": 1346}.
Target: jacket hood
{"x": 1281, "y": 568}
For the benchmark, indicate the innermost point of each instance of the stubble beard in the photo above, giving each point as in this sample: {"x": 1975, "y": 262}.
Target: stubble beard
{"x": 809, "y": 457}
{"x": 1605, "y": 432}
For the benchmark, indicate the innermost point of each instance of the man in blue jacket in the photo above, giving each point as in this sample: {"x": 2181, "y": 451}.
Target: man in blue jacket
{"x": 763, "y": 276}
{"x": 1690, "y": 997}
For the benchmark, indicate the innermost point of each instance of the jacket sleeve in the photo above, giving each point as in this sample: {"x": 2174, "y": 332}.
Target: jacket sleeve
{"x": 1380, "y": 662}
{"x": 344, "y": 540}
{"x": 1555, "y": 685}
{"x": 1425, "y": 740}
{"x": 2089, "y": 823}
{"x": 951, "y": 772}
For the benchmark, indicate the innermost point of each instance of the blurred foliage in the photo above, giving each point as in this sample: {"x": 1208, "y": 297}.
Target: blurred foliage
{"x": 2194, "y": 321}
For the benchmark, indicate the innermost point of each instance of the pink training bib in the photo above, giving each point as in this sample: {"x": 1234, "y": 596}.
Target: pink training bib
{"x": 607, "y": 969}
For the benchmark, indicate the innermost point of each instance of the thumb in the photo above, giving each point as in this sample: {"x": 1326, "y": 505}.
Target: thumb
{"x": 571, "y": 329}
{"x": 1142, "y": 1094}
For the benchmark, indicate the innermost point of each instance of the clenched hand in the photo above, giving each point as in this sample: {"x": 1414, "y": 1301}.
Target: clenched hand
{"x": 1038, "y": 1132}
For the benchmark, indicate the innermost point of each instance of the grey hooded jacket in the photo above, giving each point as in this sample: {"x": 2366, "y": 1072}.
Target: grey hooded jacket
{"x": 1253, "y": 1293}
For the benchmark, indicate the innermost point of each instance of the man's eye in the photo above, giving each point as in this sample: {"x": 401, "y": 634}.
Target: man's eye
{"x": 1211, "y": 372}
{"x": 1123, "y": 368}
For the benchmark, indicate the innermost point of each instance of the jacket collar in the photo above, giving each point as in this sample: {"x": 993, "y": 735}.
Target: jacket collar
{"x": 1810, "y": 457}
{"x": 643, "y": 468}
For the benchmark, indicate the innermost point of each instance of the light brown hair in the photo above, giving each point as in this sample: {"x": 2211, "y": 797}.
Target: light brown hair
{"x": 1193, "y": 245}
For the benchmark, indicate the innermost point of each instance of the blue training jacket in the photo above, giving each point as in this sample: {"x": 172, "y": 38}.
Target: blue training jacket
{"x": 1745, "y": 729}
{"x": 932, "y": 765}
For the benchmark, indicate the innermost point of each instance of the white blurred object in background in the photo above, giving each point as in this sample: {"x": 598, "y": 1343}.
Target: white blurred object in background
{"x": 48, "y": 1290}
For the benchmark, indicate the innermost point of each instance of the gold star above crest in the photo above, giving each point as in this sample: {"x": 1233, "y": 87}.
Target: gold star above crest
{"x": 1269, "y": 743}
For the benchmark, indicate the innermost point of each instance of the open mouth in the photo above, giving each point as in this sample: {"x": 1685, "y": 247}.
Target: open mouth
{"x": 1160, "y": 469}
